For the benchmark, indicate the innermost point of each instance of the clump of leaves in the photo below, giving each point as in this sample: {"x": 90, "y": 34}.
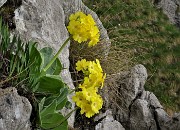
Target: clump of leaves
{"x": 22, "y": 66}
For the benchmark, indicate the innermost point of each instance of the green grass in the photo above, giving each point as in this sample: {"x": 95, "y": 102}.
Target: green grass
{"x": 136, "y": 25}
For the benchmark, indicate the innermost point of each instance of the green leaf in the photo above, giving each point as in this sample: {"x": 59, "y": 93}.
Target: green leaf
{"x": 54, "y": 121}
{"x": 50, "y": 84}
{"x": 63, "y": 126}
{"x": 41, "y": 104}
{"x": 49, "y": 100}
{"x": 62, "y": 98}
{"x": 50, "y": 118}
{"x": 47, "y": 55}
{"x": 58, "y": 67}
{"x": 68, "y": 105}
{"x": 35, "y": 61}
{"x": 51, "y": 108}
{"x": 12, "y": 65}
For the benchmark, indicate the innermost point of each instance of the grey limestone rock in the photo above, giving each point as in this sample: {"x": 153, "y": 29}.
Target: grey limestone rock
{"x": 171, "y": 8}
{"x": 130, "y": 86}
{"x": 2, "y": 2}
{"x": 141, "y": 116}
{"x": 108, "y": 122}
{"x": 44, "y": 21}
{"x": 138, "y": 109}
{"x": 15, "y": 110}
{"x": 151, "y": 99}
{"x": 166, "y": 122}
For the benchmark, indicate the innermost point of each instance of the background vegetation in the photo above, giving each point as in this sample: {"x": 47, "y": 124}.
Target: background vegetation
{"x": 136, "y": 26}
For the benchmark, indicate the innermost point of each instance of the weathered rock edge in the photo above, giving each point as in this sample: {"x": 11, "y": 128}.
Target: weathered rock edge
{"x": 15, "y": 110}
{"x": 2, "y": 2}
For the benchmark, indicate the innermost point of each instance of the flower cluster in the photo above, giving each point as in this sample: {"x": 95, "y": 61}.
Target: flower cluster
{"x": 87, "y": 99}
{"x": 83, "y": 28}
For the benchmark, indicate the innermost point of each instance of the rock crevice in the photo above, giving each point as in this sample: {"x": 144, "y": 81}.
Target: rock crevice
{"x": 140, "y": 109}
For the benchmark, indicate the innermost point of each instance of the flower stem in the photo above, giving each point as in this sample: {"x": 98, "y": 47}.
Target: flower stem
{"x": 54, "y": 58}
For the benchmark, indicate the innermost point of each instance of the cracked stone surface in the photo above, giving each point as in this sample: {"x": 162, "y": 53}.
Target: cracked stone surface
{"x": 15, "y": 110}
{"x": 138, "y": 109}
{"x": 141, "y": 116}
{"x": 44, "y": 21}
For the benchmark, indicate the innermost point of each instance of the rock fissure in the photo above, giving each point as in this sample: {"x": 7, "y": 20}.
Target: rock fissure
{"x": 1, "y": 117}
{"x": 137, "y": 97}
{"x": 99, "y": 120}
{"x": 155, "y": 117}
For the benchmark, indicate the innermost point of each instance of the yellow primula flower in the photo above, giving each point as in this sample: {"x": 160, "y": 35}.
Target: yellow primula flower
{"x": 96, "y": 80}
{"x": 90, "y": 113}
{"x": 93, "y": 73}
{"x": 79, "y": 38}
{"x": 83, "y": 28}
{"x": 95, "y": 67}
{"x": 93, "y": 41}
{"x": 77, "y": 16}
{"x": 96, "y": 103}
{"x": 103, "y": 80}
{"x": 86, "y": 108}
{"x": 90, "y": 20}
{"x": 78, "y": 98}
{"x": 92, "y": 107}
{"x": 94, "y": 31}
{"x": 88, "y": 99}
{"x": 82, "y": 65}
{"x": 85, "y": 84}
{"x": 91, "y": 66}
{"x": 89, "y": 93}
{"x": 98, "y": 65}
{"x": 73, "y": 25}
